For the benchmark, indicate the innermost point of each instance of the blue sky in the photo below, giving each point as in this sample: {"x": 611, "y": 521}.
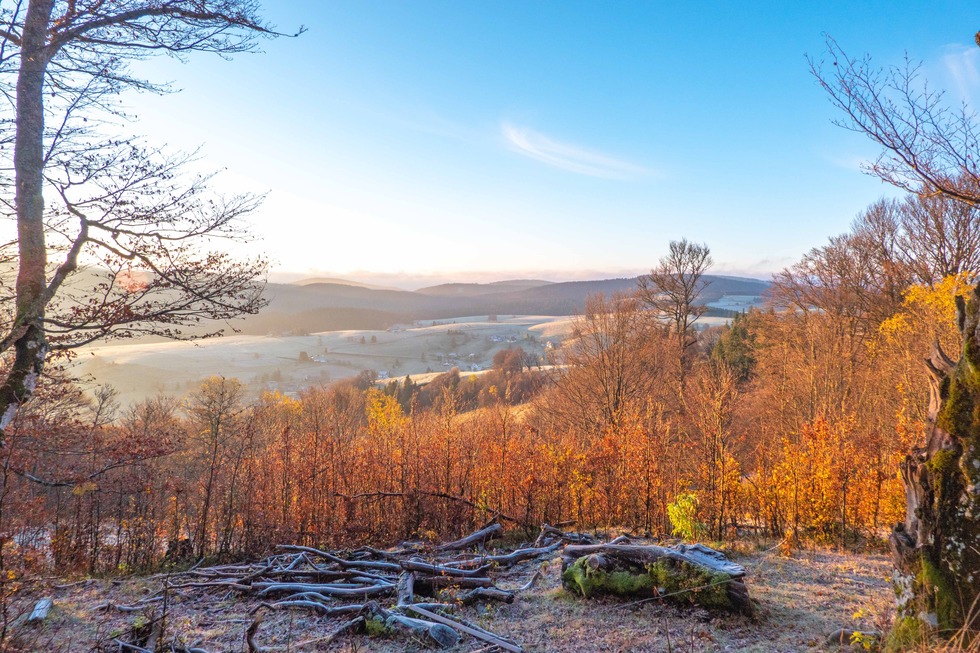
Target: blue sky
{"x": 480, "y": 140}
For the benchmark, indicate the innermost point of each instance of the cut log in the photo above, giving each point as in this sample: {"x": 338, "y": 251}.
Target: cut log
{"x": 696, "y": 554}
{"x": 688, "y": 574}
{"x": 406, "y": 588}
{"x": 40, "y": 611}
{"x": 383, "y": 621}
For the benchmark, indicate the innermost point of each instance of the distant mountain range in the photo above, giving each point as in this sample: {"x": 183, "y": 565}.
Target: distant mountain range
{"x": 330, "y": 305}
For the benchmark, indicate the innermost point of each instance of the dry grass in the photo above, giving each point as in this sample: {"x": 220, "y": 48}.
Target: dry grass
{"x": 801, "y": 599}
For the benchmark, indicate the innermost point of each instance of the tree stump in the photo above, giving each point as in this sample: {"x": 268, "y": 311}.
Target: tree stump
{"x": 692, "y": 574}
{"x": 936, "y": 551}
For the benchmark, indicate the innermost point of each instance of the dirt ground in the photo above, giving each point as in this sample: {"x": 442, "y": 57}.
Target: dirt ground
{"x": 800, "y": 599}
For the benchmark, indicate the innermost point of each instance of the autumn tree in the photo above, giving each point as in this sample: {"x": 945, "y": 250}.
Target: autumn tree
{"x": 88, "y": 198}
{"x": 712, "y": 397}
{"x": 215, "y": 410}
{"x": 931, "y": 150}
{"x": 612, "y": 364}
{"x": 510, "y": 361}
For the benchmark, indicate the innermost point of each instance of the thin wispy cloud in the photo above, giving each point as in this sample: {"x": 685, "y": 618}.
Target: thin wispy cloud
{"x": 853, "y": 162}
{"x": 963, "y": 66}
{"x": 566, "y": 156}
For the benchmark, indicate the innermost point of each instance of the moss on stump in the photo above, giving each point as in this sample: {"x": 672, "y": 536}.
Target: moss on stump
{"x": 651, "y": 572}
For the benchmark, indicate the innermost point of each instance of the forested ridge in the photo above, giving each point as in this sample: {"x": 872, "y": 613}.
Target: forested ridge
{"x": 324, "y": 306}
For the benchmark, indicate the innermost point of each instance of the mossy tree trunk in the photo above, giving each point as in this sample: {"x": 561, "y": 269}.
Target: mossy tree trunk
{"x": 937, "y": 549}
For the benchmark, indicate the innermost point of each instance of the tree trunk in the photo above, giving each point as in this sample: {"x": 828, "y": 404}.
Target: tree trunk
{"x": 936, "y": 550}
{"x": 692, "y": 574}
{"x": 27, "y": 333}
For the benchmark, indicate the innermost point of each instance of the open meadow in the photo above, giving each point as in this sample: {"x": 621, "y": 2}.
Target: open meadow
{"x": 290, "y": 363}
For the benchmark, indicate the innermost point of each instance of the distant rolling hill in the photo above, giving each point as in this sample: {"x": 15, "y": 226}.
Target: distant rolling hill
{"x": 343, "y": 282}
{"x": 480, "y": 289}
{"x": 330, "y": 306}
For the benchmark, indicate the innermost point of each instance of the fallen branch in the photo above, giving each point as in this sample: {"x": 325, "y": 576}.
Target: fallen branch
{"x": 548, "y": 532}
{"x": 480, "y": 634}
{"x": 349, "y": 626}
{"x": 250, "y": 634}
{"x": 126, "y": 646}
{"x": 323, "y": 610}
{"x": 486, "y": 594}
{"x": 535, "y": 577}
{"x": 346, "y": 564}
{"x": 425, "y": 584}
{"x": 439, "y": 570}
{"x": 479, "y": 537}
{"x": 509, "y": 559}
{"x": 332, "y": 590}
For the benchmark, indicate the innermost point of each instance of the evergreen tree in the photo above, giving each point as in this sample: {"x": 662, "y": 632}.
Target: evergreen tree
{"x": 736, "y": 347}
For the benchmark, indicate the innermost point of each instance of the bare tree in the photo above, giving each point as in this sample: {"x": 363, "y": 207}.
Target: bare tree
{"x": 849, "y": 278}
{"x": 920, "y": 238}
{"x": 940, "y": 236}
{"x": 931, "y": 150}
{"x": 673, "y": 288}
{"x": 109, "y": 203}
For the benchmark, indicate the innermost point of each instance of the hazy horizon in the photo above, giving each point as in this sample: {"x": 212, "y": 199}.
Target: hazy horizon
{"x": 415, "y": 281}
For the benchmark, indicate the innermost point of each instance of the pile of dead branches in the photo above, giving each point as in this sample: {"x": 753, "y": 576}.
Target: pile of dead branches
{"x": 417, "y": 589}
{"x": 414, "y": 589}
